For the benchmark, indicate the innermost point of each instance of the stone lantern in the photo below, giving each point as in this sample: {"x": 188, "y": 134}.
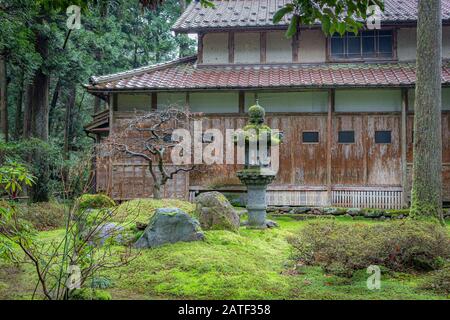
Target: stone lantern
{"x": 256, "y": 175}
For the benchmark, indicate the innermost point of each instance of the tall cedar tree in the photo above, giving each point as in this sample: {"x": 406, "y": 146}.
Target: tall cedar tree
{"x": 427, "y": 168}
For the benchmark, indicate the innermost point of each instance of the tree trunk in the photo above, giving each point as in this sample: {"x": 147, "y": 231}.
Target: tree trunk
{"x": 28, "y": 113}
{"x": 38, "y": 105}
{"x": 184, "y": 46}
{"x": 157, "y": 191}
{"x": 39, "y": 101}
{"x": 68, "y": 121}
{"x": 18, "y": 116}
{"x": 3, "y": 98}
{"x": 427, "y": 168}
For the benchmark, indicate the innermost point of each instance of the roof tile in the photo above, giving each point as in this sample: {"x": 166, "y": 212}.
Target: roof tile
{"x": 183, "y": 74}
{"x": 259, "y": 13}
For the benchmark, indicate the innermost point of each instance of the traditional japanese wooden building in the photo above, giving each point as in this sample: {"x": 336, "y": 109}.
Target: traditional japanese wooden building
{"x": 345, "y": 104}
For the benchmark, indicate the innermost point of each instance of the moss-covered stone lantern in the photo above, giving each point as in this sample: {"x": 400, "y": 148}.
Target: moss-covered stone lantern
{"x": 257, "y": 138}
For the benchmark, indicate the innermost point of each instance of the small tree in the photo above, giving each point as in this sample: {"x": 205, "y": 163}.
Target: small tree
{"x": 64, "y": 266}
{"x": 154, "y": 145}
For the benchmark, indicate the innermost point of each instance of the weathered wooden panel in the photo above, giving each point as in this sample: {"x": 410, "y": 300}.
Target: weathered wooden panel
{"x": 300, "y": 163}
{"x": 383, "y": 160}
{"x": 348, "y": 161}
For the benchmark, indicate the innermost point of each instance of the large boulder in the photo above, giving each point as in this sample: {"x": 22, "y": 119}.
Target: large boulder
{"x": 170, "y": 225}
{"x": 216, "y": 213}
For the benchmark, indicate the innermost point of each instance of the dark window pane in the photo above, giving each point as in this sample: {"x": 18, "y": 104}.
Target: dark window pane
{"x": 385, "y": 45}
{"x": 368, "y": 44}
{"x": 383, "y": 137}
{"x": 168, "y": 138}
{"x": 346, "y": 137}
{"x": 310, "y": 137}
{"x": 337, "y": 46}
{"x": 385, "y": 32}
{"x": 370, "y": 33}
{"x": 207, "y": 138}
{"x": 354, "y": 46}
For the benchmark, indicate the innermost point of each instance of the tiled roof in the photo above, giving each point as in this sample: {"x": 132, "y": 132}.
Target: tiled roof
{"x": 259, "y": 13}
{"x": 183, "y": 74}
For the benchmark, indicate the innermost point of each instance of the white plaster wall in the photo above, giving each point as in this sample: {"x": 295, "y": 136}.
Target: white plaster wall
{"x": 278, "y": 47}
{"x": 215, "y": 48}
{"x": 373, "y": 100}
{"x": 445, "y": 99}
{"x": 131, "y": 102}
{"x": 214, "y": 102}
{"x": 247, "y": 47}
{"x": 446, "y": 42}
{"x": 407, "y": 43}
{"x": 308, "y": 101}
{"x": 169, "y": 99}
{"x": 312, "y": 47}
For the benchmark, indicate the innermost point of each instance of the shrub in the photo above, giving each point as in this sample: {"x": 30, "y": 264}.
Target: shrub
{"x": 43, "y": 216}
{"x": 90, "y": 294}
{"x": 95, "y": 201}
{"x": 438, "y": 281}
{"x": 400, "y": 246}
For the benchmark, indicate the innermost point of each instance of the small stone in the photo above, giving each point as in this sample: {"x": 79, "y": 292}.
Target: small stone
{"x": 354, "y": 212}
{"x": 271, "y": 224}
{"x": 301, "y": 210}
{"x": 216, "y": 212}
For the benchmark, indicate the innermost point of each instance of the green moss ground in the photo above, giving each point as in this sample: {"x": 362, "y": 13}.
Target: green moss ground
{"x": 251, "y": 264}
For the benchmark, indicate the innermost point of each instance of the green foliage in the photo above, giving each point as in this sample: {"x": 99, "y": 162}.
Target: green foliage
{"x": 13, "y": 176}
{"x": 343, "y": 249}
{"x": 335, "y": 15}
{"x": 90, "y": 294}
{"x": 44, "y": 215}
{"x": 438, "y": 281}
{"x": 247, "y": 265}
{"x": 101, "y": 283}
{"x": 95, "y": 201}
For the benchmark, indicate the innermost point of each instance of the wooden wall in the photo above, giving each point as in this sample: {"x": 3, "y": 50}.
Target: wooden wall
{"x": 361, "y": 164}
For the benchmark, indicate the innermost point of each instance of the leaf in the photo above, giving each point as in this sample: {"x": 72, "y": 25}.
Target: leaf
{"x": 281, "y": 13}
{"x": 292, "y": 30}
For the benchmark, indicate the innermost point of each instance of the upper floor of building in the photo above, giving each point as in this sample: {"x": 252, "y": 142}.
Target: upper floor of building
{"x": 242, "y": 32}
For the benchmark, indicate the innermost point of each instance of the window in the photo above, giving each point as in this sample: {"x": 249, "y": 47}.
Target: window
{"x": 310, "y": 137}
{"x": 346, "y": 137}
{"x": 383, "y": 137}
{"x": 376, "y": 44}
{"x": 208, "y": 137}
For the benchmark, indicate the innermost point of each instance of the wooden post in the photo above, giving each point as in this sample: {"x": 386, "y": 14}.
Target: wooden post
{"x": 231, "y": 47}
{"x": 241, "y": 102}
{"x": 200, "y": 48}
{"x": 154, "y": 101}
{"x": 188, "y": 102}
{"x": 404, "y": 147}
{"x": 331, "y": 99}
{"x": 263, "y": 47}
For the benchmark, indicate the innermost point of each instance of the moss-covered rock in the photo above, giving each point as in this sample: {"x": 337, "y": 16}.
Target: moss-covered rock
{"x": 95, "y": 201}
{"x": 335, "y": 211}
{"x": 170, "y": 225}
{"x": 216, "y": 213}
{"x": 140, "y": 211}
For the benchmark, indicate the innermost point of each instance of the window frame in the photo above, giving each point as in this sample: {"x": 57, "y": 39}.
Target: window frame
{"x": 311, "y": 131}
{"x": 354, "y": 137}
{"x": 394, "y": 57}
{"x": 383, "y": 131}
